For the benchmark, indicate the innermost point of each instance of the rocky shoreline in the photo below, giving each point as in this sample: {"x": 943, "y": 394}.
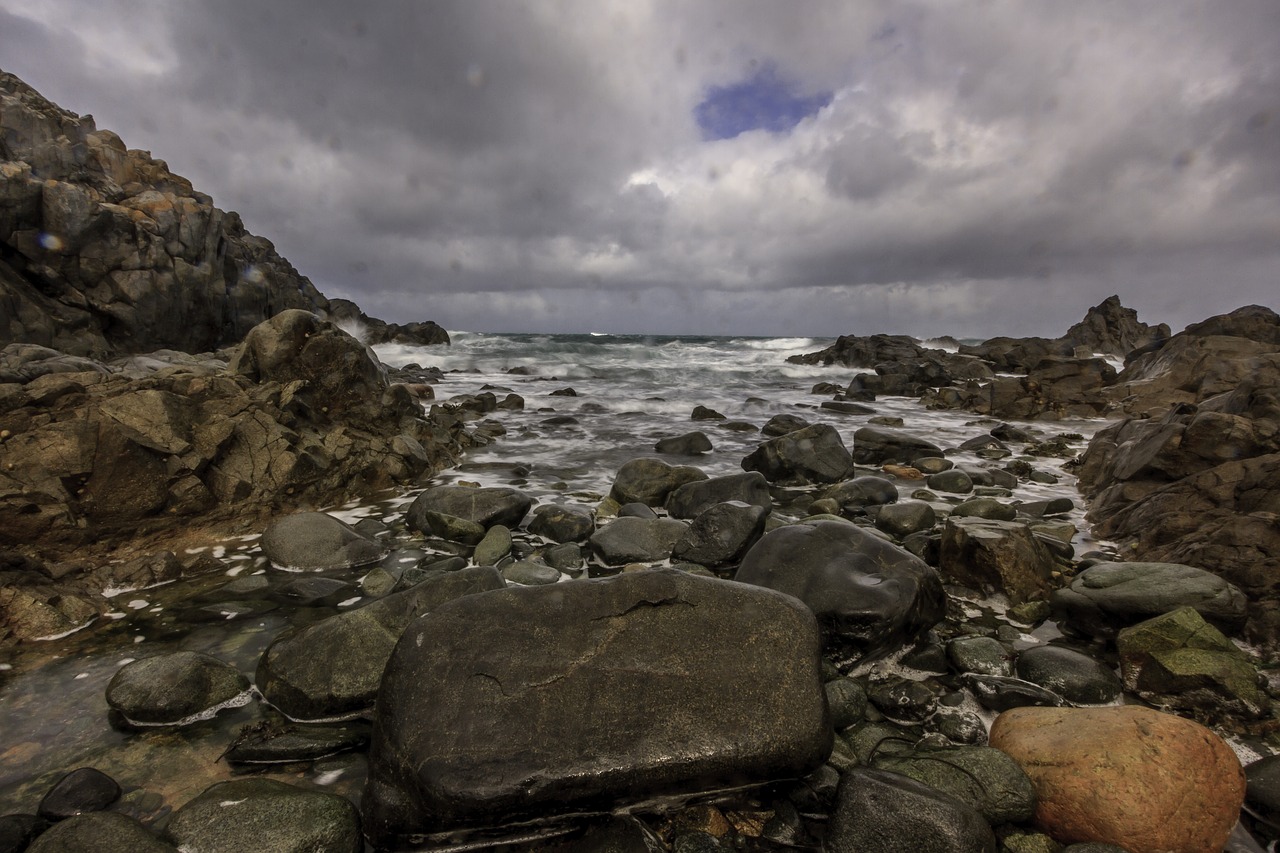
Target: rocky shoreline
{"x": 842, "y": 648}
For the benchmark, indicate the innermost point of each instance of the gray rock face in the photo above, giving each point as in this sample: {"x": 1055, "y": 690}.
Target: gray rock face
{"x": 692, "y": 498}
{"x": 170, "y": 688}
{"x": 869, "y": 595}
{"x": 1109, "y": 596}
{"x": 650, "y": 481}
{"x": 815, "y": 454}
{"x": 332, "y": 667}
{"x": 720, "y": 534}
{"x": 314, "y": 541}
{"x": 684, "y": 684}
{"x": 266, "y": 815}
{"x": 882, "y": 812}
{"x": 98, "y": 832}
{"x": 637, "y": 540}
{"x": 486, "y": 507}
{"x": 872, "y": 446}
{"x": 1110, "y": 328}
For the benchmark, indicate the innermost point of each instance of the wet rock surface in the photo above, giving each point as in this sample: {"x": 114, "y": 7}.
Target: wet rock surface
{"x": 657, "y": 659}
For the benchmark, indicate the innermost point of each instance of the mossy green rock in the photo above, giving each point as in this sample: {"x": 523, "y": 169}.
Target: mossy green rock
{"x": 1181, "y": 661}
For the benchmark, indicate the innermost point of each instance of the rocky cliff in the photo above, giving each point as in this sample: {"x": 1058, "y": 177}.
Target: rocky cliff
{"x": 103, "y": 250}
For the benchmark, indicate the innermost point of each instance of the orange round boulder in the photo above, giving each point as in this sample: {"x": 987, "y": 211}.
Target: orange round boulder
{"x": 1130, "y": 776}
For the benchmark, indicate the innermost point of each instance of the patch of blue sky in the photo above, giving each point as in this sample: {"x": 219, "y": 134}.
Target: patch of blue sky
{"x": 764, "y": 101}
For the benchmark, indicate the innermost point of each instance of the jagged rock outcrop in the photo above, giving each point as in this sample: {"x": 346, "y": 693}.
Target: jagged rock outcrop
{"x": 103, "y": 250}
{"x": 1112, "y": 329}
{"x": 303, "y": 415}
{"x": 1200, "y": 483}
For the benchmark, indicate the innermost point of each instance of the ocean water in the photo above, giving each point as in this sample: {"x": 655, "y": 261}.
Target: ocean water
{"x": 631, "y": 391}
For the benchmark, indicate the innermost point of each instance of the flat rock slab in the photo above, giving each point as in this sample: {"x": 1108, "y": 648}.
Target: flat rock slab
{"x": 581, "y": 696}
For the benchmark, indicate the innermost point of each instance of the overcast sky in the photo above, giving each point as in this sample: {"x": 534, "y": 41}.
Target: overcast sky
{"x": 778, "y": 168}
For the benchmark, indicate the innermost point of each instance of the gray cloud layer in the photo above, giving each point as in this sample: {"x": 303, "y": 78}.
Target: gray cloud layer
{"x": 981, "y": 169}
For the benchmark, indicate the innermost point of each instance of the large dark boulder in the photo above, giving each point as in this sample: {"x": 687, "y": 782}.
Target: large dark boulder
{"x": 171, "y": 688}
{"x": 486, "y": 507}
{"x": 815, "y": 454}
{"x": 689, "y": 500}
{"x": 587, "y": 695}
{"x": 373, "y": 331}
{"x": 996, "y": 556}
{"x": 874, "y": 446}
{"x": 315, "y": 541}
{"x": 637, "y": 540}
{"x": 650, "y": 481}
{"x": 332, "y": 668}
{"x": 869, "y": 595}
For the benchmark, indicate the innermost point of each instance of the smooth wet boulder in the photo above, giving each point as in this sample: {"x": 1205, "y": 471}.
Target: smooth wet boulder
{"x": 84, "y": 790}
{"x": 882, "y": 812}
{"x": 815, "y": 454}
{"x": 953, "y": 481}
{"x": 720, "y": 534}
{"x": 860, "y": 492}
{"x": 988, "y": 508}
{"x": 637, "y": 540}
{"x": 996, "y": 556}
{"x": 332, "y": 667}
{"x": 527, "y": 702}
{"x": 170, "y": 688}
{"x": 903, "y": 519}
{"x": 1178, "y": 660}
{"x": 562, "y": 523}
{"x": 1076, "y": 677}
{"x": 486, "y": 507}
{"x": 314, "y": 541}
{"x": 99, "y": 832}
{"x": 1130, "y": 776}
{"x": 873, "y": 446}
{"x": 650, "y": 481}
{"x": 268, "y": 816}
{"x": 869, "y": 595}
{"x": 689, "y": 444}
{"x": 783, "y": 424}
{"x": 1262, "y": 795}
{"x": 985, "y": 778}
{"x": 1108, "y": 596}
{"x": 689, "y": 500}
{"x": 981, "y": 655}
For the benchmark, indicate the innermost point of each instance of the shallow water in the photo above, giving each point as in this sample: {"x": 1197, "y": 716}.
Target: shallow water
{"x": 632, "y": 391}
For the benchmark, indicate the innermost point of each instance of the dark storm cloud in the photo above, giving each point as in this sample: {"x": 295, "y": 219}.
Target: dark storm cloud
{"x": 977, "y": 170}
